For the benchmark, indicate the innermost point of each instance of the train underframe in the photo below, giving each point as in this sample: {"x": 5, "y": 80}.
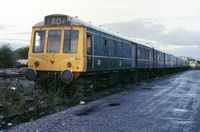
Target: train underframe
{"x": 95, "y": 81}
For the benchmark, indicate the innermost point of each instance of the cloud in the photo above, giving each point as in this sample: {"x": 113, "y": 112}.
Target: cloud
{"x": 2, "y": 26}
{"x": 150, "y": 29}
{"x": 14, "y": 45}
{"x": 24, "y": 33}
{"x": 15, "y": 40}
{"x": 127, "y": 14}
{"x": 186, "y": 17}
{"x": 190, "y": 51}
{"x": 6, "y": 26}
{"x": 178, "y": 41}
{"x": 181, "y": 36}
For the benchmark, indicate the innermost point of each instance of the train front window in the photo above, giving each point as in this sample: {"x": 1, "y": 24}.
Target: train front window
{"x": 54, "y": 39}
{"x": 39, "y": 41}
{"x": 71, "y": 41}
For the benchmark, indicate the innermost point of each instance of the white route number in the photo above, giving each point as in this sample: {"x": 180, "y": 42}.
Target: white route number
{"x": 58, "y": 21}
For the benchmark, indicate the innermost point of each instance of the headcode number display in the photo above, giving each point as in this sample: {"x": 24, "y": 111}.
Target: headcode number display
{"x": 56, "y": 20}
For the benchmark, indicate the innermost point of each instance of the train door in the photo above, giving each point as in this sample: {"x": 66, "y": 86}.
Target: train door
{"x": 171, "y": 60}
{"x": 90, "y": 51}
{"x": 150, "y": 58}
{"x": 156, "y": 61}
{"x": 154, "y": 56}
{"x": 134, "y": 56}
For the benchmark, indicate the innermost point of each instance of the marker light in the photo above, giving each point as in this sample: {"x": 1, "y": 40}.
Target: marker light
{"x": 69, "y": 64}
{"x": 36, "y": 64}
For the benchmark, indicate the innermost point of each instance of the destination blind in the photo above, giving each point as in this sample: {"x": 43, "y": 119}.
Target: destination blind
{"x": 56, "y": 20}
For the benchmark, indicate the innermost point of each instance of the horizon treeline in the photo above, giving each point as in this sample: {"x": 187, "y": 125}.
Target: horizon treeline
{"x": 8, "y": 56}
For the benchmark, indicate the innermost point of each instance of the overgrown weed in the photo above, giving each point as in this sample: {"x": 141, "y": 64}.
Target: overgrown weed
{"x": 20, "y": 102}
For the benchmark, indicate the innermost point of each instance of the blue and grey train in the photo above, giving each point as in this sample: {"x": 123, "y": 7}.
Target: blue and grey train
{"x": 67, "y": 50}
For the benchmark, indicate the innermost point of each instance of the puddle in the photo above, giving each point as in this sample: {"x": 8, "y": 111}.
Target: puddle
{"x": 113, "y": 104}
{"x": 85, "y": 112}
{"x": 147, "y": 88}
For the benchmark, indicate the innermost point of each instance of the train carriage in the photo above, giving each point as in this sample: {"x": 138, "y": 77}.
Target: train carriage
{"x": 144, "y": 61}
{"x": 144, "y": 57}
{"x": 107, "y": 52}
{"x": 66, "y": 48}
{"x": 86, "y": 56}
{"x": 173, "y": 61}
{"x": 168, "y": 63}
{"x": 159, "y": 62}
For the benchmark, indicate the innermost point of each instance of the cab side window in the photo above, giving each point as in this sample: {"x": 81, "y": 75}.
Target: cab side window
{"x": 89, "y": 44}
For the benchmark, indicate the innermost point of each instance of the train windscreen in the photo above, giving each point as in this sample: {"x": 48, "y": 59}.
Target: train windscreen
{"x": 71, "y": 41}
{"x": 54, "y": 40}
{"x": 39, "y": 41}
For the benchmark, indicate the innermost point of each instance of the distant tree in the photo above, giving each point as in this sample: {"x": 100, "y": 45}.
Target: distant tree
{"x": 7, "y": 57}
{"x": 22, "y": 53}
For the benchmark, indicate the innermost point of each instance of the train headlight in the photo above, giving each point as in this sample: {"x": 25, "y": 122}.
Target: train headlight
{"x": 66, "y": 76}
{"x": 31, "y": 74}
{"x": 36, "y": 64}
{"x": 69, "y": 64}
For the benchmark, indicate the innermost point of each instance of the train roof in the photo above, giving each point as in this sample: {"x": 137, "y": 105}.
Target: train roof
{"x": 73, "y": 21}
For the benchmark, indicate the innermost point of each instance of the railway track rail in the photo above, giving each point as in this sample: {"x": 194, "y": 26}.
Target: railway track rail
{"x": 6, "y": 76}
{"x": 27, "y": 115}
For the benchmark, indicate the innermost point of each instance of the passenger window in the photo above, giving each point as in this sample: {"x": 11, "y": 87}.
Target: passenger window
{"x": 138, "y": 52}
{"x": 89, "y": 43}
{"x": 150, "y": 55}
{"x": 112, "y": 48}
{"x": 106, "y": 47}
{"x": 143, "y": 53}
{"x": 147, "y": 54}
{"x": 127, "y": 50}
{"x": 116, "y": 48}
{"x": 122, "y": 50}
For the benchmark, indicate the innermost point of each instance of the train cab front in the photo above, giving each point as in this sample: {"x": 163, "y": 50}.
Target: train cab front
{"x": 56, "y": 49}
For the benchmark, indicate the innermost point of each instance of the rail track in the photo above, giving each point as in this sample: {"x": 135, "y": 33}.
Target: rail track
{"x": 11, "y": 76}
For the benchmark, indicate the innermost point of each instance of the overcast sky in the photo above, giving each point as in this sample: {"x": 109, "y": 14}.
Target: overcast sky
{"x": 170, "y": 25}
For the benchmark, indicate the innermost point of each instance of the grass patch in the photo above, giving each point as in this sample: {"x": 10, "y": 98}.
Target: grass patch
{"x": 20, "y": 102}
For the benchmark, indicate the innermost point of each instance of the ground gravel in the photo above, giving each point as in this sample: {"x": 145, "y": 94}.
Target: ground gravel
{"x": 166, "y": 105}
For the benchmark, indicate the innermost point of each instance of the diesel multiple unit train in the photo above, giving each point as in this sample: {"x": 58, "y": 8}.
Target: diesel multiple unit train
{"x": 70, "y": 52}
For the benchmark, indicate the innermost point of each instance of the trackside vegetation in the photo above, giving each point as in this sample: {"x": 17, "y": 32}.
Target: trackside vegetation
{"x": 8, "y": 56}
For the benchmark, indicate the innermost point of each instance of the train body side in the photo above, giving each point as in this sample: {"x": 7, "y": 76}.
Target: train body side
{"x": 144, "y": 57}
{"x": 168, "y": 61}
{"x": 159, "y": 59}
{"x": 109, "y": 53}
